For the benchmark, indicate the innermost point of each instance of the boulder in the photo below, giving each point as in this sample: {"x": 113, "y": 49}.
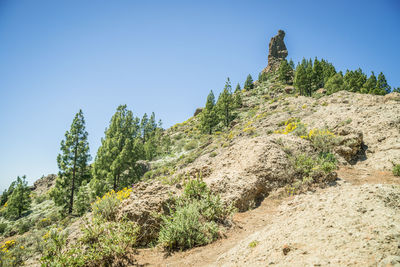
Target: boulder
{"x": 350, "y": 143}
{"x": 289, "y": 89}
{"x": 147, "y": 201}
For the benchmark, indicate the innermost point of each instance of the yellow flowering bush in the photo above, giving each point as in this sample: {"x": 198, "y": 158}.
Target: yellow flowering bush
{"x": 249, "y": 130}
{"x": 290, "y": 126}
{"x": 7, "y": 245}
{"x": 10, "y": 254}
{"x": 322, "y": 139}
{"x": 106, "y": 207}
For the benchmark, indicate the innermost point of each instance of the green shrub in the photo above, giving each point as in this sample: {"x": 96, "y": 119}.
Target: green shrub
{"x": 12, "y": 253}
{"x": 195, "y": 189}
{"x": 23, "y": 226}
{"x": 194, "y": 218}
{"x": 253, "y": 244}
{"x": 83, "y": 199}
{"x": 3, "y": 227}
{"x": 213, "y": 154}
{"x": 101, "y": 244}
{"x": 322, "y": 140}
{"x": 300, "y": 130}
{"x": 190, "y": 145}
{"x": 311, "y": 168}
{"x": 39, "y": 199}
{"x": 43, "y": 223}
{"x": 396, "y": 170}
{"x": 185, "y": 229}
{"x": 106, "y": 207}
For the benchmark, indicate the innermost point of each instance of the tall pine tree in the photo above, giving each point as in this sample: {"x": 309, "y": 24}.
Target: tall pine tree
{"x": 248, "y": 84}
{"x": 285, "y": 72}
{"x": 114, "y": 166}
{"x": 382, "y": 87}
{"x": 370, "y": 85}
{"x": 209, "y": 119}
{"x": 225, "y": 104}
{"x": 317, "y": 75}
{"x": 72, "y": 162}
{"x": 302, "y": 80}
{"x": 19, "y": 201}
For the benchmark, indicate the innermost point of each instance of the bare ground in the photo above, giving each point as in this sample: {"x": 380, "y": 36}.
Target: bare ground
{"x": 258, "y": 225}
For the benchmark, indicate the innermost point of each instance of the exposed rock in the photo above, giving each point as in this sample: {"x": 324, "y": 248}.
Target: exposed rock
{"x": 277, "y": 52}
{"x": 251, "y": 168}
{"x": 147, "y": 200}
{"x": 321, "y": 91}
{"x": 334, "y": 227}
{"x": 289, "y": 89}
{"x": 392, "y": 97}
{"x": 42, "y": 185}
{"x": 198, "y": 111}
{"x": 350, "y": 142}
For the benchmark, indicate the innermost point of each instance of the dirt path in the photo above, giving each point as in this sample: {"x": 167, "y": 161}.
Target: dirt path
{"x": 245, "y": 223}
{"x": 252, "y": 222}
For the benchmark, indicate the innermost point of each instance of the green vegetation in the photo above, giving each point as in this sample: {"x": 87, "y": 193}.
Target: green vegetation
{"x": 285, "y": 72}
{"x": 73, "y": 164}
{"x": 310, "y": 76}
{"x": 19, "y": 201}
{"x": 135, "y": 149}
{"x": 225, "y": 104}
{"x": 396, "y": 170}
{"x": 193, "y": 218}
{"x": 209, "y": 117}
{"x": 254, "y": 244}
{"x": 105, "y": 238}
{"x": 248, "y": 84}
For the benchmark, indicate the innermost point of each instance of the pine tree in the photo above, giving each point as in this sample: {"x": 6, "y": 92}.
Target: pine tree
{"x": 19, "y": 201}
{"x": 248, "y": 84}
{"x": 151, "y": 137}
{"x": 144, "y": 127}
{"x": 370, "y": 85}
{"x": 317, "y": 75}
{"x": 354, "y": 80}
{"x": 120, "y": 149}
{"x": 285, "y": 72}
{"x": 238, "y": 89}
{"x": 291, "y": 64}
{"x": 335, "y": 83}
{"x": 7, "y": 193}
{"x": 382, "y": 87}
{"x": 209, "y": 119}
{"x": 302, "y": 80}
{"x": 238, "y": 102}
{"x": 396, "y": 90}
{"x": 328, "y": 70}
{"x": 309, "y": 72}
{"x": 262, "y": 76}
{"x": 225, "y": 104}
{"x": 73, "y": 163}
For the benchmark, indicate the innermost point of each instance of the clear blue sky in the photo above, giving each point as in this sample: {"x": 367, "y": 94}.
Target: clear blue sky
{"x": 163, "y": 56}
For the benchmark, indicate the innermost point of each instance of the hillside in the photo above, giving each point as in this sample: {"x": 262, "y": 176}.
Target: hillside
{"x": 294, "y": 180}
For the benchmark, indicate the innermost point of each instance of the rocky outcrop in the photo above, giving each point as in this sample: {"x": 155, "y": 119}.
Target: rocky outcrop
{"x": 198, "y": 111}
{"x": 42, "y": 185}
{"x": 350, "y": 143}
{"x": 147, "y": 201}
{"x": 343, "y": 225}
{"x": 277, "y": 52}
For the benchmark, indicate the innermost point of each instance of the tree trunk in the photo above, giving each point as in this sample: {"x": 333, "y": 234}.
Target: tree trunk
{"x": 71, "y": 200}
